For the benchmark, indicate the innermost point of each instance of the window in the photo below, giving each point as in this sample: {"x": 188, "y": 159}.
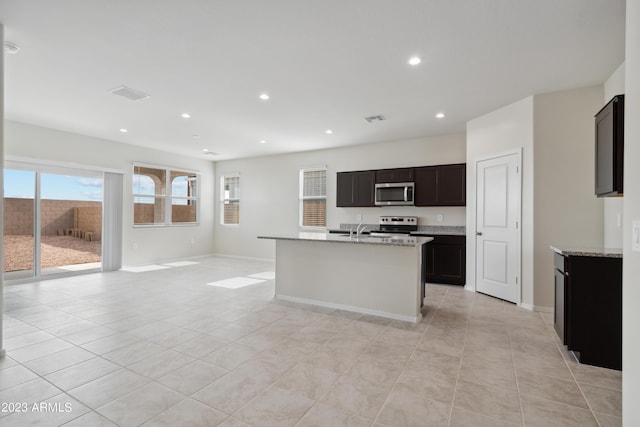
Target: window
{"x": 313, "y": 197}
{"x": 230, "y": 199}
{"x": 164, "y": 196}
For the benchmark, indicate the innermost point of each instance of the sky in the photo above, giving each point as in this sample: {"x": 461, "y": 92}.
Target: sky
{"x": 21, "y": 184}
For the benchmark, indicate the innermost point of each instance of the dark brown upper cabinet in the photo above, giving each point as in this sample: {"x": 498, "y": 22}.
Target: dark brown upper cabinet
{"x": 609, "y": 132}
{"x": 355, "y": 189}
{"x": 443, "y": 185}
{"x": 394, "y": 175}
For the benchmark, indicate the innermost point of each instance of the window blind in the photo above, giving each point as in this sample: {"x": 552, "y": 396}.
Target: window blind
{"x": 313, "y": 198}
{"x": 230, "y": 200}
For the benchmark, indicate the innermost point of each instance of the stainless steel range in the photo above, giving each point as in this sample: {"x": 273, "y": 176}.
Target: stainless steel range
{"x": 390, "y": 226}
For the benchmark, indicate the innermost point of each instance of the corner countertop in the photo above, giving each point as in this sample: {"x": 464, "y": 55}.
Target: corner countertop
{"x": 592, "y": 252}
{"x": 410, "y": 241}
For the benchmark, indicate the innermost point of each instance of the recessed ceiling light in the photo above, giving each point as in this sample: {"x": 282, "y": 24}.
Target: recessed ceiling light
{"x": 414, "y": 60}
{"x": 264, "y": 96}
{"x": 328, "y": 131}
{"x": 195, "y": 136}
{"x": 205, "y": 150}
{"x": 186, "y": 115}
{"x": 262, "y": 141}
{"x": 123, "y": 130}
{"x": 11, "y": 48}
{"x": 440, "y": 116}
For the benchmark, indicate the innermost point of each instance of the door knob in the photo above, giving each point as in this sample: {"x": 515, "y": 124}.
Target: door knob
{"x": 478, "y": 233}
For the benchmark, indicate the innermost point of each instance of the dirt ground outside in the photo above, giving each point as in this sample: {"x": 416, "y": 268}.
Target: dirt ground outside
{"x": 55, "y": 251}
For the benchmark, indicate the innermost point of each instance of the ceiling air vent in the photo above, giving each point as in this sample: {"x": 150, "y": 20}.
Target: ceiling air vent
{"x": 127, "y": 92}
{"x": 377, "y": 118}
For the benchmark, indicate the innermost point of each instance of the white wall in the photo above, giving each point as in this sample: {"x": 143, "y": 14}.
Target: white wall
{"x": 566, "y": 210}
{"x": 631, "y": 260}
{"x": 153, "y": 244}
{"x": 555, "y": 132}
{"x": 2, "y": 351}
{"x": 613, "y": 205}
{"x": 503, "y": 131}
{"x": 269, "y": 189}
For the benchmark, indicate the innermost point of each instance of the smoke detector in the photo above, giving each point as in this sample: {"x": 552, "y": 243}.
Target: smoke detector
{"x": 377, "y": 118}
{"x": 131, "y": 94}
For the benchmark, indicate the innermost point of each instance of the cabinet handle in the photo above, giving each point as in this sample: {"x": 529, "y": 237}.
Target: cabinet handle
{"x": 478, "y": 233}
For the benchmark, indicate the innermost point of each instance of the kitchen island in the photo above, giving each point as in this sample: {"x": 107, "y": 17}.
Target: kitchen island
{"x": 381, "y": 276}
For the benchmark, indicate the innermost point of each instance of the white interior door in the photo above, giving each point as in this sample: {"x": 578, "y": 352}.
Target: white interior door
{"x": 498, "y": 227}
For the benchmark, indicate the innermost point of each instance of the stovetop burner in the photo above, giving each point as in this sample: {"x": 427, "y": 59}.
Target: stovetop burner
{"x": 397, "y": 224}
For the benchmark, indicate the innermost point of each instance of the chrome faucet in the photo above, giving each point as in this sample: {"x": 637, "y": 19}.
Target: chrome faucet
{"x": 358, "y": 231}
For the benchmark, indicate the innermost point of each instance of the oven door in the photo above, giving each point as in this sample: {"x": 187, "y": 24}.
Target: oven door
{"x": 394, "y": 194}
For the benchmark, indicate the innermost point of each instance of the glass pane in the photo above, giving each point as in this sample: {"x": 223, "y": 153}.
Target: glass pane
{"x": 232, "y": 187}
{"x": 314, "y": 213}
{"x": 148, "y": 210}
{"x": 149, "y": 181}
{"x": 183, "y": 210}
{"x": 19, "y": 204}
{"x": 71, "y": 223}
{"x": 183, "y": 184}
{"x": 390, "y": 194}
{"x": 315, "y": 183}
{"x": 231, "y": 214}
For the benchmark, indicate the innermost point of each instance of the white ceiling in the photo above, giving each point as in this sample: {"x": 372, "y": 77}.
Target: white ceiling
{"x": 326, "y": 64}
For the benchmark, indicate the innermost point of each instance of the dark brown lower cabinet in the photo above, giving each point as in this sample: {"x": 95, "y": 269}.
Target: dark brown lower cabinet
{"x": 588, "y": 308}
{"x": 444, "y": 260}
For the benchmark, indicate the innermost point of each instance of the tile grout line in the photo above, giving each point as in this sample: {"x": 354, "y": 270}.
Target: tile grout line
{"x": 272, "y": 385}
{"x": 455, "y": 388}
{"x": 515, "y": 374}
{"x": 375, "y": 419}
{"x": 561, "y": 350}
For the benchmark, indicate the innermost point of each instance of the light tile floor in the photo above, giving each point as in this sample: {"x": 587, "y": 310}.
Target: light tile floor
{"x": 160, "y": 348}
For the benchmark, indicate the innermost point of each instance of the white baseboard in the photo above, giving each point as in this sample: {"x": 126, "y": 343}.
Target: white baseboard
{"x": 249, "y": 258}
{"x": 537, "y": 308}
{"x": 350, "y": 308}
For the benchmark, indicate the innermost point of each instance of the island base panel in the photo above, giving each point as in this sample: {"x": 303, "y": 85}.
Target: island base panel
{"x": 373, "y": 279}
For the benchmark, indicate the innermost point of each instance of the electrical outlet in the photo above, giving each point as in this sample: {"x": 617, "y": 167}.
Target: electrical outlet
{"x": 135, "y": 246}
{"x": 193, "y": 240}
{"x": 440, "y": 218}
{"x": 358, "y": 217}
{"x": 635, "y": 235}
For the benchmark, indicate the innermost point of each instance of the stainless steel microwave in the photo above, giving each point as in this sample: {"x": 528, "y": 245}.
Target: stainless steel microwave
{"x": 394, "y": 194}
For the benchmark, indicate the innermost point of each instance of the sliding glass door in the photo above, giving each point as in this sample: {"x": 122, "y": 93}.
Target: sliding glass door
{"x": 19, "y": 223}
{"x": 53, "y": 222}
{"x": 70, "y": 223}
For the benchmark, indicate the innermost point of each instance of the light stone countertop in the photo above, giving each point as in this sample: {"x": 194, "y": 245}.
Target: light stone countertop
{"x": 411, "y": 241}
{"x": 592, "y": 252}
{"x": 423, "y": 230}
{"x": 437, "y": 230}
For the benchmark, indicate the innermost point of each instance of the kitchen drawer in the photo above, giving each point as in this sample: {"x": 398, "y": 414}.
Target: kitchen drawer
{"x": 558, "y": 261}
